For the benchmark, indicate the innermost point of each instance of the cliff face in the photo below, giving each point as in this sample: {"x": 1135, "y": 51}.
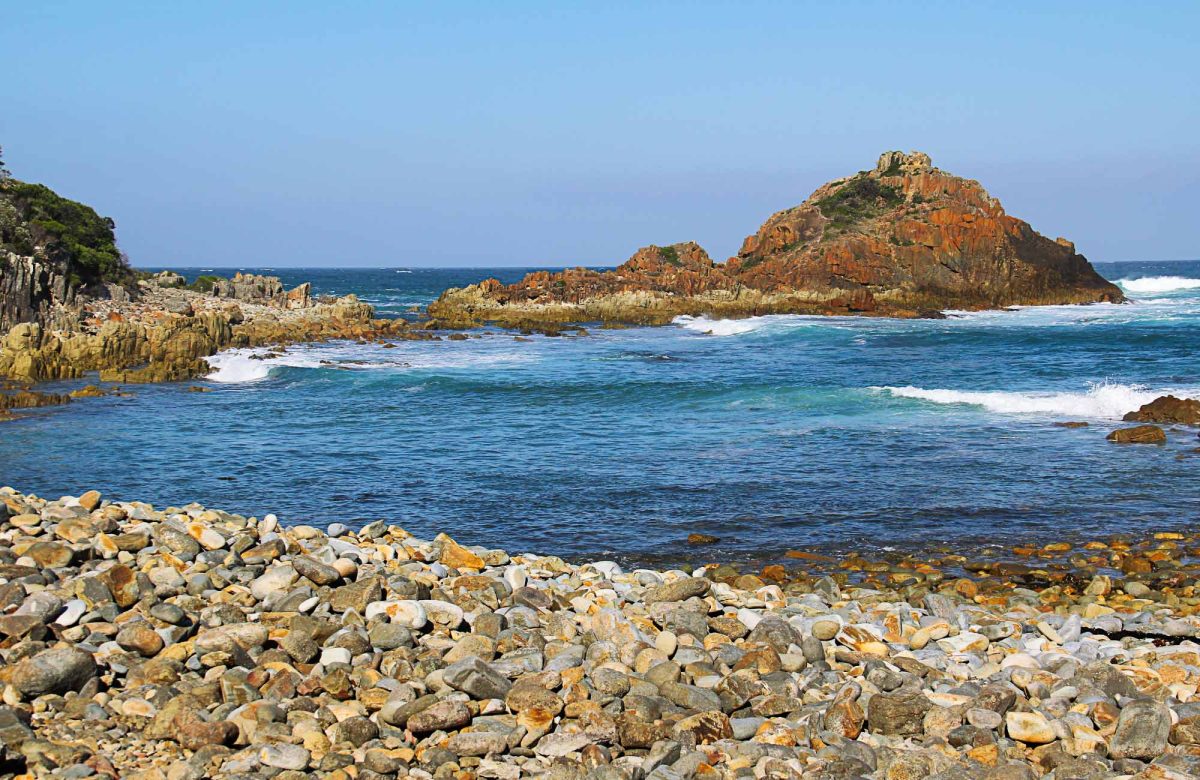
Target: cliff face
{"x": 903, "y": 239}
{"x": 31, "y": 291}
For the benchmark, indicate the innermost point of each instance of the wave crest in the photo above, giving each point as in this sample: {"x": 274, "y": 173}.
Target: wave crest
{"x": 234, "y": 366}
{"x": 1159, "y": 284}
{"x": 712, "y": 327}
{"x": 1103, "y": 400}
{"x": 252, "y": 365}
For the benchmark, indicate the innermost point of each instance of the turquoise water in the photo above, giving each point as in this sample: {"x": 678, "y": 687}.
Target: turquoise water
{"x": 770, "y": 433}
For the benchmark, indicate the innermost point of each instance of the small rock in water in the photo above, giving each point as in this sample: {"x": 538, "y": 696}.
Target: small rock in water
{"x": 1140, "y": 434}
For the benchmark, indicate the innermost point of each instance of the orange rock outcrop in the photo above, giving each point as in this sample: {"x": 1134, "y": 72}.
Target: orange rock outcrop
{"x": 904, "y": 239}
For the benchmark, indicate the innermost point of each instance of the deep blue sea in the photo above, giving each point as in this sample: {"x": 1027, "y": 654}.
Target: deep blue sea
{"x": 771, "y": 432}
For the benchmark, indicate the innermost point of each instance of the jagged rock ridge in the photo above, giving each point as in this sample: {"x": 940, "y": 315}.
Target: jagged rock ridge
{"x": 903, "y": 239}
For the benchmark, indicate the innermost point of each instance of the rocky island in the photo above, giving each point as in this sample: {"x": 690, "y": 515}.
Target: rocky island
{"x": 904, "y": 239}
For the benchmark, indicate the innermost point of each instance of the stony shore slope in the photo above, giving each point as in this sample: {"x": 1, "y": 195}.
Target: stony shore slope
{"x": 188, "y": 642}
{"x": 903, "y": 239}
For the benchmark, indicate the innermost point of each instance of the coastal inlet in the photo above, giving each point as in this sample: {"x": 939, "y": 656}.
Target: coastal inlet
{"x": 769, "y": 433}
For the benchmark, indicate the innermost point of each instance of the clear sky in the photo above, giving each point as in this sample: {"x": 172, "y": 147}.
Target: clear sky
{"x": 506, "y": 133}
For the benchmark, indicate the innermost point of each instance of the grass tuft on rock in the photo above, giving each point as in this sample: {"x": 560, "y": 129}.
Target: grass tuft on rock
{"x": 862, "y": 198}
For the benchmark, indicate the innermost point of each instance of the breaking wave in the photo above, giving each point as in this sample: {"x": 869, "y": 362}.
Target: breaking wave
{"x": 1159, "y": 284}
{"x": 251, "y": 365}
{"x": 712, "y": 327}
{"x": 1102, "y": 400}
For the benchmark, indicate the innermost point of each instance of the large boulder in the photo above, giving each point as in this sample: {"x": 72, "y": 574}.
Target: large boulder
{"x": 1167, "y": 409}
{"x": 57, "y": 670}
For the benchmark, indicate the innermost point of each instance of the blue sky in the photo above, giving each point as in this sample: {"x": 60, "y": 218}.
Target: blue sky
{"x": 452, "y": 134}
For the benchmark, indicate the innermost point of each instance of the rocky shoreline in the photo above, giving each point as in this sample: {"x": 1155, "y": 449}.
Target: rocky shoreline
{"x": 163, "y": 333}
{"x": 188, "y": 642}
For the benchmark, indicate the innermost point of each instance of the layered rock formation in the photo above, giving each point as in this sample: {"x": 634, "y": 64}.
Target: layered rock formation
{"x": 267, "y": 290}
{"x": 149, "y": 343}
{"x": 70, "y": 304}
{"x": 33, "y": 291}
{"x": 904, "y": 239}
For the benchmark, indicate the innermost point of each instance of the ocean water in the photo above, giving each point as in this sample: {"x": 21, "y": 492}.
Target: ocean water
{"x": 771, "y": 432}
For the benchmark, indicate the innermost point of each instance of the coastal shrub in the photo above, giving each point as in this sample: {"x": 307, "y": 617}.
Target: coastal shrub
{"x": 669, "y": 254}
{"x": 14, "y": 233}
{"x": 204, "y": 283}
{"x": 749, "y": 262}
{"x": 862, "y": 198}
{"x": 66, "y": 232}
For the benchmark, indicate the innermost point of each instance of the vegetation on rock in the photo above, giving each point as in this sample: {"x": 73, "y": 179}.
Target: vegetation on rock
{"x": 204, "y": 283}
{"x": 860, "y": 199}
{"x": 36, "y": 221}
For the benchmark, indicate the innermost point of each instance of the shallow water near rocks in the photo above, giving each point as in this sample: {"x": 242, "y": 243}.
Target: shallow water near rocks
{"x": 770, "y": 433}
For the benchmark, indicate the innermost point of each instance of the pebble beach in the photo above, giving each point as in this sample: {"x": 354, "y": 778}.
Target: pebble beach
{"x": 186, "y": 642}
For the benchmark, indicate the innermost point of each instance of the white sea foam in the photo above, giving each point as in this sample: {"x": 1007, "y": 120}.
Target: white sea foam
{"x": 1015, "y": 316}
{"x": 234, "y": 366}
{"x": 713, "y": 327}
{"x": 1103, "y": 400}
{"x": 1159, "y": 284}
{"x": 252, "y": 365}
{"x": 718, "y": 327}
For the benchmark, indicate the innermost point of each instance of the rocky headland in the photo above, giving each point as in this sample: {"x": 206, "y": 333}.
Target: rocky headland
{"x": 162, "y": 331}
{"x": 71, "y": 305}
{"x": 187, "y": 642}
{"x": 904, "y": 239}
